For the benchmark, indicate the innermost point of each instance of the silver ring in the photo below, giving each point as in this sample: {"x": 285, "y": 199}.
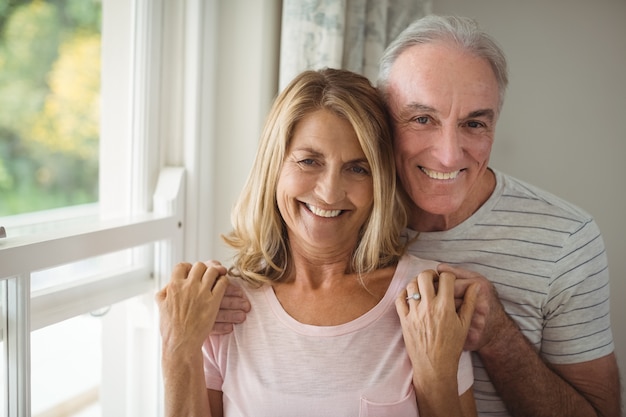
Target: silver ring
{"x": 415, "y": 296}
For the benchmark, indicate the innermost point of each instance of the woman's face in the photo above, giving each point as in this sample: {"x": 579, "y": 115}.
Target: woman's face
{"x": 324, "y": 190}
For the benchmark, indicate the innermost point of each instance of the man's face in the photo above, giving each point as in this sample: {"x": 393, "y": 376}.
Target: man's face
{"x": 444, "y": 104}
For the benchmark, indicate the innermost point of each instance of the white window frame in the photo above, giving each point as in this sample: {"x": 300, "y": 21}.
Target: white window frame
{"x": 179, "y": 75}
{"x": 131, "y": 215}
{"x": 19, "y": 257}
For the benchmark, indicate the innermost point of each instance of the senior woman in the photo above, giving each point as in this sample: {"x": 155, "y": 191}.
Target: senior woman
{"x": 343, "y": 323}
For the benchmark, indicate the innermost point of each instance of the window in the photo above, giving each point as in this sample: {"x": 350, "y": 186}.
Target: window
{"x": 84, "y": 252}
{"x": 174, "y": 76}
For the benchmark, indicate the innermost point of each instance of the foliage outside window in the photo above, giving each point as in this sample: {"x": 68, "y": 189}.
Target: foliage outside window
{"x": 49, "y": 103}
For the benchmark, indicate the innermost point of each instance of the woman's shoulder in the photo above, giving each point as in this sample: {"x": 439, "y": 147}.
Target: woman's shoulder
{"x": 248, "y": 288}
{"x": 413, "y": 264}
{"x": 408, "y": 267}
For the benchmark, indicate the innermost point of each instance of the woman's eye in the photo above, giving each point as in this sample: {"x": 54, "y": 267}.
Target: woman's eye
{"x": 359, "y": 170}
{"x": 307, "y": 161}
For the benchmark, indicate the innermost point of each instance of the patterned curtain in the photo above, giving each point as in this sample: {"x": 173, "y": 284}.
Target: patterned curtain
{"x": 350, "y": 34}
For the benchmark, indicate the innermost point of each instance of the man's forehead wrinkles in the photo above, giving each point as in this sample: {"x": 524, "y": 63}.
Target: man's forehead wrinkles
{"x": 413, "y": 107}
{"x": 420, "y": 106}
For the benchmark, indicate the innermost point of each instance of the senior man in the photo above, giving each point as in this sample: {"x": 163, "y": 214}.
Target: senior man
{"x": 541, "y": 336}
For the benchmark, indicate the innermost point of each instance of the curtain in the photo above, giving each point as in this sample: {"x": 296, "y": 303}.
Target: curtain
{"x": 350, "y": 34}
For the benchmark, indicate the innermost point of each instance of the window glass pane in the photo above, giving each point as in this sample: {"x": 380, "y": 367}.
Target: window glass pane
{"x": 66, "y": 363}
{"x": 3, "y": 381}
{"x": 86, "y": 270}
{"x": 85, "y": 366}
{"x": 49, "y": 96}
{"x": 3, "y": 351}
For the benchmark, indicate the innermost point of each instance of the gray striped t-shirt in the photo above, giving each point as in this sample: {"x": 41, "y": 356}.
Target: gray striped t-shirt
{"x": 547, "y": 259}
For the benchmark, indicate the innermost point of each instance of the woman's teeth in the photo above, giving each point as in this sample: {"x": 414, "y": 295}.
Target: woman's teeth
{"x": 323, "y": 213}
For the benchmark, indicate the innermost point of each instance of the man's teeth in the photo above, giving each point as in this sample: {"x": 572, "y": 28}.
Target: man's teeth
{"x": 440, "y": 175}
{"x": 323, "y": 213}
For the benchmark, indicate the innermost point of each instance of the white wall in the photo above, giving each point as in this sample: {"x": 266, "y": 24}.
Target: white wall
{"x": 247, "y": 84}
{"x": 246, "y": 39}
{"x": 563, "y": 123}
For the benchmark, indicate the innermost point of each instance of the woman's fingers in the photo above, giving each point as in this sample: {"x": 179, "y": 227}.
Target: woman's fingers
{"x": 189, "y": 303}
{"x": 424, "y": 287}
{"x": 426, "y": 284}
{"x": 446, "y": 284}
{"x": 211, "y": 274}
{"x": 180, "y": 271}
{"x": 466, "y": 311}
{"x": 437, "y": 293}
{"x": 413, "y": 293}
{"x": 402, "y": 307}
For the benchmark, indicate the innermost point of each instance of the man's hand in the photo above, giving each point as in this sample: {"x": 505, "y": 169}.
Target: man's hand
{"x": 233, "y": 310}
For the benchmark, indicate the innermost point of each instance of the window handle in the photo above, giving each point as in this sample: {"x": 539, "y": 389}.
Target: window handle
{"x": 3, "y": 233}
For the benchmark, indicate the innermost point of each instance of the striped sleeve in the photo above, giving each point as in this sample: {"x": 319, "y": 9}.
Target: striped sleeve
{"x": 577, "y": 323}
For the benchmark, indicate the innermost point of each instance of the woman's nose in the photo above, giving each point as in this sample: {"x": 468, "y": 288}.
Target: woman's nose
{"x": 330, "y": 188}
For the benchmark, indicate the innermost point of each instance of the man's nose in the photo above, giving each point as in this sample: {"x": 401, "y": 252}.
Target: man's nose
{"x": 448, "y": 148}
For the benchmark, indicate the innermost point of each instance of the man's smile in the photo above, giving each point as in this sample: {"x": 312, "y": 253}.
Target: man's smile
{"x": 440, "y": 175}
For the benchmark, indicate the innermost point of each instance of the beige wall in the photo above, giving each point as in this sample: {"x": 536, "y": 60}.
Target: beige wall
{"x": 563, "y": 125}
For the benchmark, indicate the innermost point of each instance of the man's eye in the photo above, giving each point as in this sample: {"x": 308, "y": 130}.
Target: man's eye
{"x": 474, "y": 124}
{"x": 422, "y": 120}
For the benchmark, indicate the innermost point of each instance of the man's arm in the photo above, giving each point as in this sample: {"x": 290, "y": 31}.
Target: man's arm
{"x": 528, "y": 385}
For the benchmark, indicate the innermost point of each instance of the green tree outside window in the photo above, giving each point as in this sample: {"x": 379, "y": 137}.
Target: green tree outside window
{"x": 49, "y": 103}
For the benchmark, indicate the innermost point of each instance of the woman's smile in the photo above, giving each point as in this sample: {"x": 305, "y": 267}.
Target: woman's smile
{"x": 323, "y": 212}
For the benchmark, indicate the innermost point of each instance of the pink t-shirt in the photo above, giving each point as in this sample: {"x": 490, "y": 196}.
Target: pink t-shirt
{"x": 272, "y": 365}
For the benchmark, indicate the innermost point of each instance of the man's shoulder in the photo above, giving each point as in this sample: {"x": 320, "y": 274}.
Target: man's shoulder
{"x": 519, "y": 195}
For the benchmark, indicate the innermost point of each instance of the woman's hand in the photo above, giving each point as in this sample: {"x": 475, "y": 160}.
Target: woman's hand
{"x": 434, "y": 331}
{"x": 489, "y": 321}
{"x": 189, "y": 303}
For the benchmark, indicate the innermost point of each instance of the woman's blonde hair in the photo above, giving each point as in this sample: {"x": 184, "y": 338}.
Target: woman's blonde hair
{"x": 259, "y": 234}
